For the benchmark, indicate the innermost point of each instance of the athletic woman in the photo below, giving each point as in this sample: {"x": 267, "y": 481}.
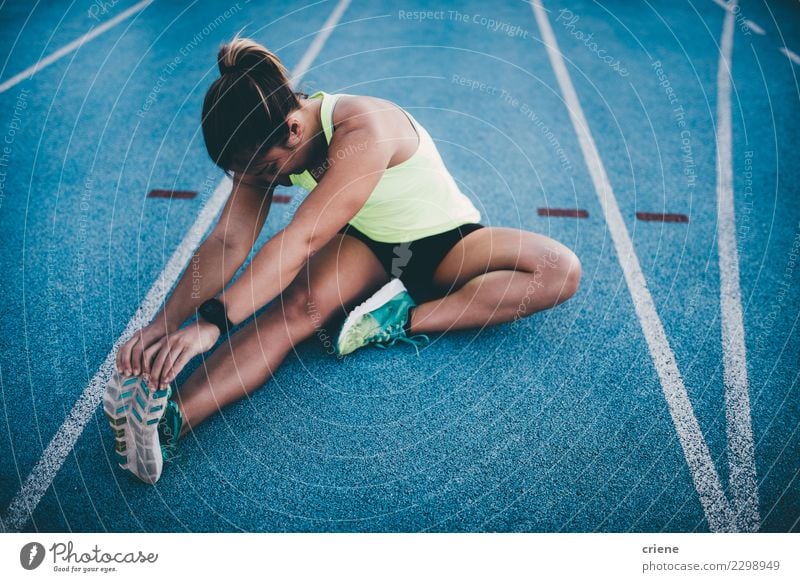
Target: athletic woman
{"x": 383, "y": 213}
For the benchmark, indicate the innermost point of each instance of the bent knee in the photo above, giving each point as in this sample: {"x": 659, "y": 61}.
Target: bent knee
{"x": 560, "y": 269}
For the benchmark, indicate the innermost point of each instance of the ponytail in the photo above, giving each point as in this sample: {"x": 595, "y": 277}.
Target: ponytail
{"x": 245, "y": 110}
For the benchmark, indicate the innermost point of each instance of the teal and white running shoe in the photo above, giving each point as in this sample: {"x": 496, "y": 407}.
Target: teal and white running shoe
{"x": 134, "y": 412}
{"x": 380, "y": 320}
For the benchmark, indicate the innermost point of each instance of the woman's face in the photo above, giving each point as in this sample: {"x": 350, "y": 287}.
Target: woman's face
{"x": 275, "y": 165}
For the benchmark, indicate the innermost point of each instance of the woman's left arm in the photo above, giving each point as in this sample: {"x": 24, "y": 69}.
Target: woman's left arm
{"x": 357, "y": 157}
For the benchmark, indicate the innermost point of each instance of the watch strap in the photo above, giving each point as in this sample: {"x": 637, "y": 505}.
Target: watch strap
{"x": 213, "y": 311}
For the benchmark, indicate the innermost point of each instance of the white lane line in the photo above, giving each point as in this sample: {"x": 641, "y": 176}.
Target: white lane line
{"x": 695, "y": 449}
{"x": 318, "y": 42}
{"x": 754, "y": 27}
{"x": 732, "y": 8}
{"x": 734, "y": 351}
{"x": 42, "y": 475}
{"x": 64, "y": 440}
{"x": 793, "y": 56}
{"x": 75, "y": 44}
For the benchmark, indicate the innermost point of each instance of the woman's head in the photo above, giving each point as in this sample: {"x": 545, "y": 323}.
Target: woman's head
{"x": 245, "y": 110}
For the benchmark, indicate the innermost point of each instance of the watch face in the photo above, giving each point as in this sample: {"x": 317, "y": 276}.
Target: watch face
{"x": 213, "y": 312}
{"x": 211, "y": 309}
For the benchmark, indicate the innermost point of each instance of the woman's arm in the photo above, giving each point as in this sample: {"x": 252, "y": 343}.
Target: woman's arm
{"x": 358, "y": 156}
{"x": 211, "y": 267}
{"x": 221, "y": 254}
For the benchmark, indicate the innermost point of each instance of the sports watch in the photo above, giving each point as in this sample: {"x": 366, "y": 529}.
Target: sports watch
{"x": 213, "y": 311}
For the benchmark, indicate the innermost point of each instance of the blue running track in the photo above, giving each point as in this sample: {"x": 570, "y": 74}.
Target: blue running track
{"x": 583, "y": 418}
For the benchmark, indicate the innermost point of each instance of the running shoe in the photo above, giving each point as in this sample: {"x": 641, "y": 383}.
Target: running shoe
{"x": 380, "y": 320}
{"x": 134, "y": 411}
{"x": 169, "y": 429}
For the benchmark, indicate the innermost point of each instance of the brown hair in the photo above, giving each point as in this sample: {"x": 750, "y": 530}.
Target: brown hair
{"x": 245, "y": 110}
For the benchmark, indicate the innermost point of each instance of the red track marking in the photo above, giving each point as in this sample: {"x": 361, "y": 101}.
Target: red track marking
{"x": 277, "y": 198}
{"x": 658, "y": 217}
{"x": 565, "y": 212}
{"x": 172, "y": 194}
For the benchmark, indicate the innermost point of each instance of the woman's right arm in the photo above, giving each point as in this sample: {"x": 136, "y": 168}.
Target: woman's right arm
{"x": 210, "y": 269}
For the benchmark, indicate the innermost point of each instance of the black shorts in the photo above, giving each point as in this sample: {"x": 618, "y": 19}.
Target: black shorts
{"x": 415, "y": 262}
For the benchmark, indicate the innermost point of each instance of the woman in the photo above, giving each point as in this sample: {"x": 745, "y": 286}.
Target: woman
{"x": 383, "y": 214}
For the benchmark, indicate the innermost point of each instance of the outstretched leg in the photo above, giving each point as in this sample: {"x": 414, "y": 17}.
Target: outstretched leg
{"x": 496, "y": 275}
{"x": 336, "y": 277}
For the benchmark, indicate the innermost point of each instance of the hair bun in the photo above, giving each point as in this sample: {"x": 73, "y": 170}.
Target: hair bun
{"x": 226, "y": 69}
{"x": 246, "y": 55}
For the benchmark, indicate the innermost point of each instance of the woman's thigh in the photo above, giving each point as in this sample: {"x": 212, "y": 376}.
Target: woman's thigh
{"x": 499, "y": 248}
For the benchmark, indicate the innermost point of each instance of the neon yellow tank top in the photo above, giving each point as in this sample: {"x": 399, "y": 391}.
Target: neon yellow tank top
{"x": 412, "y": 200}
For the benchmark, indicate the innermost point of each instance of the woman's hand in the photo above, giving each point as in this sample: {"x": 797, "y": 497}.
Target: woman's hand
{"x": 166, "y": 358}
{"x": 129, "y": 356}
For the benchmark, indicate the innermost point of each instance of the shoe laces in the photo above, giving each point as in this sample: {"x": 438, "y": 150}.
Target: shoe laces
{"x": 169, "y": 453}
{"x": 414, "y": 340}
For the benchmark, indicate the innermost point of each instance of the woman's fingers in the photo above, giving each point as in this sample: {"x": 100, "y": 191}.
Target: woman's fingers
{"x": 150, "y": 355}
{"x": 120, "y": 358}
{"x": 158, "y": 362}
{"x": 173, "y": 366}
{"x": 136, "y": 353}
{"x": 179, "y": 365}
{"x": 124, "y": 356}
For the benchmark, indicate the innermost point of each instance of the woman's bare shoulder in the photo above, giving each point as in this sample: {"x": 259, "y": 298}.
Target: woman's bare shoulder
{"x": 356, "y": 110}
{"x": 383, "y": 119}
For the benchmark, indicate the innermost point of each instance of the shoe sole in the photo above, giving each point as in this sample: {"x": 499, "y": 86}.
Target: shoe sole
{"x": 377, "y": 300}
{"x": 133, "y": 411}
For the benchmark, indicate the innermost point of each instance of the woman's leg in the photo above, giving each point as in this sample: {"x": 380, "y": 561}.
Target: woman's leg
{"x": 495, "y": 275}
{"x": 337, "y": 276}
